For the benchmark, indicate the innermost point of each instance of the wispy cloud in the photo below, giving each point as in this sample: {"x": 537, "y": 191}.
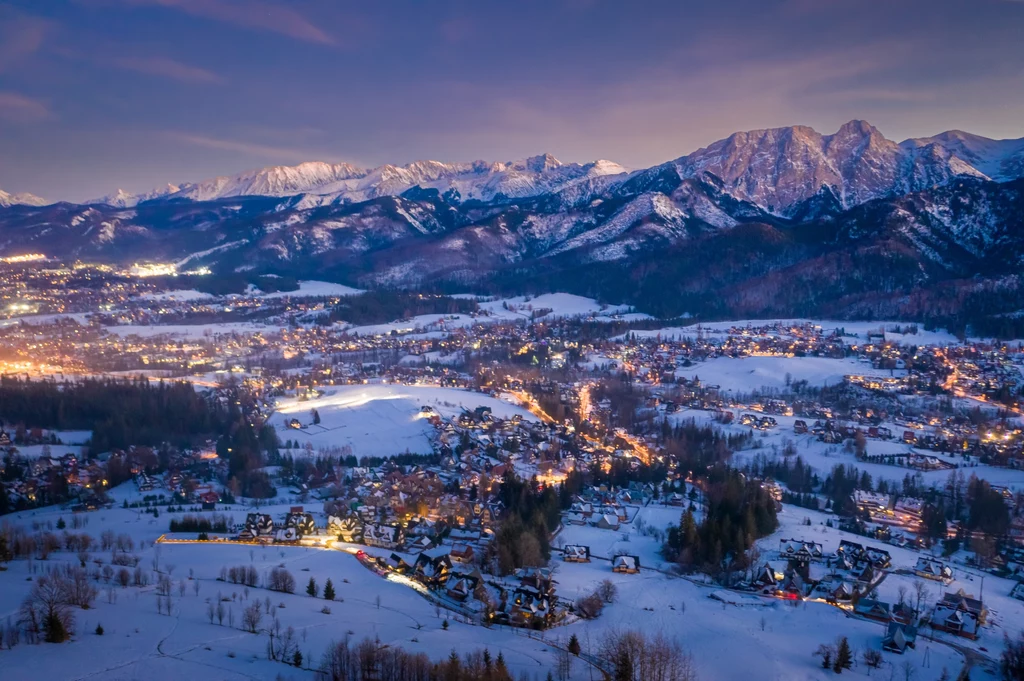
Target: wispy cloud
{"x": 20, "y": 108}
{"x": 242, "y": 147}
{"x": 21, "y": 36}
{"x": 165, "y": 68}
{"x": 251, "y": 14}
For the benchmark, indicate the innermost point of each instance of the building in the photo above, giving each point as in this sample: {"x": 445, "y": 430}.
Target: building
{"x": 958, "y": 613}
{"x": 629, "y": 565}
{"x": 574, "y": 553}
{"x": 933, "y": 569}
{"x": 383, "y": 536}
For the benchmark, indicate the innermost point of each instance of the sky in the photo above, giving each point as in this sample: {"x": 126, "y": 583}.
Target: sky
{"x": 103, "y": 94}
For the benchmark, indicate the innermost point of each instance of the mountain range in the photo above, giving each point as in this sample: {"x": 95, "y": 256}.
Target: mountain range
{"x": 776, "y": 222}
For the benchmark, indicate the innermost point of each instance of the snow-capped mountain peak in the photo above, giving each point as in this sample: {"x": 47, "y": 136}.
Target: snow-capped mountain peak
{"x": 21, "y": 199}
{"x": 331, "y": 182}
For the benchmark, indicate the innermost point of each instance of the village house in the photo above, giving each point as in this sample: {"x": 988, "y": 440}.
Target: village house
{"x": 958, "y": 613}
{"x": 383, "y": 536}
{"x": 629, "y": 565}
{"x": 462, "y": 553}
{"x": 574, "y": 553}
{"x": 933, "y": 569}
{"x": 898, "y": 637}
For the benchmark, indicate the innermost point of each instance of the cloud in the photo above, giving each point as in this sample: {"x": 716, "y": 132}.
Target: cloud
{"x": 252, "y": 14}
{"x": 242, "y": 147}
{"x": 23, "y": 109}
{"x": 166, "y": 68}
{"x": 20, "y": 36}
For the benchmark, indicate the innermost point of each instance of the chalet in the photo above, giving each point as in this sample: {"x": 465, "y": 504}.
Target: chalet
{"x": 904, "y": 612}
{"x": 420, "y": 544}
{"x": 958, "y": 613}
{"x": 933, "y": 569}
{"x": 257, "y": 525}
{"x": 432, "y": 571}
{"x": 629, "y": 565}
{"x": 383, "y": 536}
{"x": 574, "y": 518}
{"x": 529, "y": 608}
{"x": 460, "y": 588}
{"x": 286, "y": 534}
{"x": 878, "y": 558}
{"x": 608, "y": 521}
{"x": 898, "y": 637}
{"x": 574, "y": 553}
{"x": 799, "y": 427}
{"x": 866, "y": 575}
{"x": 842, "y": 592}
{"x": 800, "y": 550}
{"x": 795, "y": 585}
{"x": 351, "y": 529}
{"x": 540, "y": 580}
{"x": 302, "y": 523}
{"x": 766, "y": 578}
{"x": 872, "y": 609}
{"x": 462, "y": 553}
{"x": 397, "y": 563}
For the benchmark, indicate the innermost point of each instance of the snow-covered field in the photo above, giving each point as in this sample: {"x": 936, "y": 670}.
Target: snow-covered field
{"x": 192, "y": 330}
{"x": 759, "y": 639}
{"x": 314, "y": 289}
{"x": 547, "y": 306}
{"x": 379, "y": 420}
{"x": 854, "y": 331}
{"x": 139, "y": 643}
{"x": 746, "y": 374}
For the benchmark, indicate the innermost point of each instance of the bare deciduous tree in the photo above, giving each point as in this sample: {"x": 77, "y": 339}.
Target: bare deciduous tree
{"x": 251, "y": 618}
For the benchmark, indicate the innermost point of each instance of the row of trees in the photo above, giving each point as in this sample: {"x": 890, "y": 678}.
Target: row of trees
{"x": 368, "y": 660}
{"x": 120, "y": 412}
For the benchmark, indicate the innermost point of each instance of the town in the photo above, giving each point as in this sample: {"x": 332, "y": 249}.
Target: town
{"x": 519, "y": 465}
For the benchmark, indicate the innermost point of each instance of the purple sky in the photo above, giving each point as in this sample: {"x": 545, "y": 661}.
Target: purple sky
{"x": 100, "y": 94}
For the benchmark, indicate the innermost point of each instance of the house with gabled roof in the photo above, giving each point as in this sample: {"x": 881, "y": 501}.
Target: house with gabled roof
{"x": 432, "y": 572}
{"x": 930, "y": 568}
{"x": 629, "y": 565}
{"x": 872, "y": 609}
{"x": 898, "y": 637}
{"x": 383, "y": 536}
{"x": 958, "y": 613}
{"x": 575, "y": 553}
{"x": 800, "y": 550}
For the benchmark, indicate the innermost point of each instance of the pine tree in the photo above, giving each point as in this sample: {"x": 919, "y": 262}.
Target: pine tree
{"x": 311, "y": 588}
{"x": 61, "y": 524}
{"x": 844, "y": 656}
{"x": 499, "y": 665}
{"x": 329, "y": 590}
{"x": 574, "y": 645}
{"x": 297, "y": 659}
